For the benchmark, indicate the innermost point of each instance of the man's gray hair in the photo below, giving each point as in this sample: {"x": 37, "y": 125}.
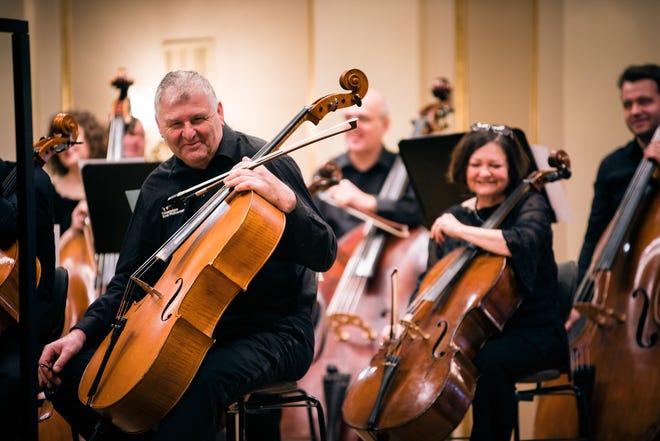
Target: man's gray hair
{"x": 181, "y": 83}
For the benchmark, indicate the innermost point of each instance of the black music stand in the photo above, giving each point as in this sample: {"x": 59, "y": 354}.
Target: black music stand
{"x": 110, "y": 188}
{"x": 427, "y": 160}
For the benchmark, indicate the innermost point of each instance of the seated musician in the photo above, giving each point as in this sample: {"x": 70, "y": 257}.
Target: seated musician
{"x": 490, "y": 162}
{"x": 134, "y": 139}
{"x": 50, "y": 310}
{"x": 364, "y": 167}
{"x": 266, "y": 334}
{"x": 640, "y": 98}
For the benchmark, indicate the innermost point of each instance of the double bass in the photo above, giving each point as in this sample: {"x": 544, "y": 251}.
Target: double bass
{"x": 614, "y": 345}
{"x": 157, "y": 344}
{"x": 421, "y": 383}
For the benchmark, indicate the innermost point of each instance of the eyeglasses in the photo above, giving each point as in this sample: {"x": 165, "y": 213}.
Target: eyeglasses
{"x": 500, "y": 130}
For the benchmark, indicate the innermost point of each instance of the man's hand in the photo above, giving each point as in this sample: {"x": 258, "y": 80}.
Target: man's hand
{"x": 346, "y": 194}
{"x": 264, "y": 183}
{"x": 56, "y": 355}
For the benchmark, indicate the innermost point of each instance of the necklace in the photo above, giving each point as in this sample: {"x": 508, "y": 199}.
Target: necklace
{"x": 476, "y": 211}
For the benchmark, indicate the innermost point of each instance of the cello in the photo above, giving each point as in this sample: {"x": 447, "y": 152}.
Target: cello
{"x": 614, "y": 345}
{"x": 354, "y": 307}
{"x": 353, "y": 301}
{"x": 145, "y": 364}
{"x": 66, "y": 132}
{"x": 421, "y": 383}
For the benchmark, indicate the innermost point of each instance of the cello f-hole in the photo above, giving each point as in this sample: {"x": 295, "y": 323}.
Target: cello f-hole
{"x": 164, "y": 317}
{"x": 653, "y": 338}
{"x": 437, "y": 352}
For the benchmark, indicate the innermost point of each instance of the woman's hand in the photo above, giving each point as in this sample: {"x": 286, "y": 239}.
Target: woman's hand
{"x": 445, "y": 225}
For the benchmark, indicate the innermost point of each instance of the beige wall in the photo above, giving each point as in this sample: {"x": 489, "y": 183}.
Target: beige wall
{"x": 618, "y": 33}
{"x": 548, "y": 67}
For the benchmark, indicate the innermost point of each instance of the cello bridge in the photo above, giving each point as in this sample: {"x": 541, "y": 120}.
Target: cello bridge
{"x": 147, "y": 288}
{"x": 339, "y": 321}
{"x": 413, "y": 330}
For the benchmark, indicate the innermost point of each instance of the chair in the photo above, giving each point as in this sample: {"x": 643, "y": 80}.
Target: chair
{"x": 60, "y": 287}
{"x": 276, "y": 396}
{"x": 567, "y": 275}
{"x": 567, "y": 389}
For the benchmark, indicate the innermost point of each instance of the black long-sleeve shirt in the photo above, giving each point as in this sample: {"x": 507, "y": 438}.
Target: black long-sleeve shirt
{"x": 404, "y": 210}
{"x": 285, "y": 285}
{"x": 614, "y": 174}
{"x": 528, "y": 234}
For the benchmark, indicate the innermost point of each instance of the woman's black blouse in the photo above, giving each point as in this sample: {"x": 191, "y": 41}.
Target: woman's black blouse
{"x": 528, "y": 234}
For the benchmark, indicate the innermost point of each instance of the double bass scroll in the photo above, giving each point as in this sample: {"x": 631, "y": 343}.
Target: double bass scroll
{"x": 433, "y": 116}
{"x": 120, "y": 117}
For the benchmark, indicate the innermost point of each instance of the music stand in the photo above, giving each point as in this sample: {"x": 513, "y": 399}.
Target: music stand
{"x": 427, "y": 160}
{"x": 110, "y": 187}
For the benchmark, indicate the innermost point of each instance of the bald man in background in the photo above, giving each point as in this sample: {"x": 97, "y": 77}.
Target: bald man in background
{"x": 364, "y": 167}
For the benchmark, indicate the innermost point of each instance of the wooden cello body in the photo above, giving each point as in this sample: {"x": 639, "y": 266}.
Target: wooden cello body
{"x": 157, "y": 344}
{"x": 355, "y": 304}
{"x": 167, "y": 327}
{"x": 615, "y": 353}
{"x": 77, "y": 256}
{"x": 427, "y": 397}
{"x": 420, "y": 384}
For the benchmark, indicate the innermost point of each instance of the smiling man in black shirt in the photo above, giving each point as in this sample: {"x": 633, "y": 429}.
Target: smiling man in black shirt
{"x": 266, "y": 333}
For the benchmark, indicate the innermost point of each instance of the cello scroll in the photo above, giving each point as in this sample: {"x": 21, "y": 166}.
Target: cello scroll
{"x": 329, "y": 175}
{"x": 66, "y": 129}
{"x": 354, "y": 80}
